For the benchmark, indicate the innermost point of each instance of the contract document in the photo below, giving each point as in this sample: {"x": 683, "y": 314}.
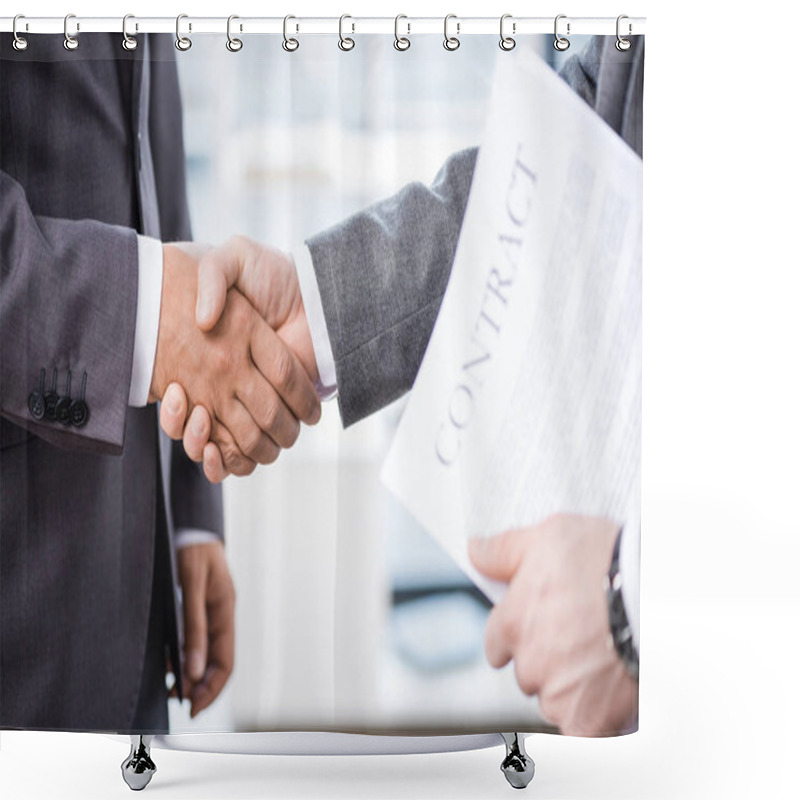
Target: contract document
{"x": 528, "y": 399}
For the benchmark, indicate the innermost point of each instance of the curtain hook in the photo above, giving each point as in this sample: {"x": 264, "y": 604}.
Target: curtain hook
{"x": 289, "y": 45}
{"x": 128, "y": 42}
{"x": 234, "y": 45}
{"x": 401, "y": 42}
{"x": 70, "y": 42}
{"x": 451, "y": 42}
{"x": 183, "y": 43}
{"x": 561, "y": 43}
{"x": 19, "y": 43}
{"x": 623, "y": 44}
{"x": 507, "y": 42}
{"x": 346, "y": 43}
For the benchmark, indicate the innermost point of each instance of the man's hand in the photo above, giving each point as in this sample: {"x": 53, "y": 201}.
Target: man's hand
{"x": 251, "y": 386}
{"x": 268, "y": 279}
{"x": 553, "y": 622}
{"x": 208, "y": 612}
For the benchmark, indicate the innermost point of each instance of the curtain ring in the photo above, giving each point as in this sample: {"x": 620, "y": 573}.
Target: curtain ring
{"x": 507, "y": 42}
{"x": 345, "y": 43}
{"x": 622, "y": 44}
{"x": 128, "y": 42}
{"x": 19, "y": 43}
{"x": 289, "y": 45}
{"x": 401, "y": 42}
{"x": 451, "y": 42}
{"x": 183, "y": 43}
{"x": 561, "y": 43}
{"x": 70, "y": 42}
{"x": 233, "y": 44}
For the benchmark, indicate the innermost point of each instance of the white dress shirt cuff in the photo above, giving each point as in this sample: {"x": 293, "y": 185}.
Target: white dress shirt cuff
{"x": 312, "y": 301}
{"x": 148, "y": 313}
{"x": 188, "y": 536}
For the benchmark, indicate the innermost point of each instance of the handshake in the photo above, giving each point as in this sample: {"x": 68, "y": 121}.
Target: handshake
{"x": 234, "y": 366}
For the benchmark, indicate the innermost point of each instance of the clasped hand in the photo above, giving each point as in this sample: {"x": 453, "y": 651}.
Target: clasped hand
{"x": 230, "y": 360}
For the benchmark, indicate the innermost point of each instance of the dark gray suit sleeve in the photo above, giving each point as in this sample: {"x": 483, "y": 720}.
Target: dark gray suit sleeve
{"x": 68, "y": 294}
{"x": 382, "y": 274}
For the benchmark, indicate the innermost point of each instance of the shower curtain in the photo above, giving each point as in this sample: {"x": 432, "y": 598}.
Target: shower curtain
{"x": 425, "y": 401}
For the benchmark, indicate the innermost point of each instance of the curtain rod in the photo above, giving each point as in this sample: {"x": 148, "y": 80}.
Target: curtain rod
{"x": 461, "y": 26}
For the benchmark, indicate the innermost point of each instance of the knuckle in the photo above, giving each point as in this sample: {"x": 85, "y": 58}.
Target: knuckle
{"x": 282, "y": 369}
{"x": 251, "y": 442}
{"x": 270, "y": 415}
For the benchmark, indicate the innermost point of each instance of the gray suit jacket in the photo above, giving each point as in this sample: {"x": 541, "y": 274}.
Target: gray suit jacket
{"x": 382, "y": 273}
{"x": 91, "y": 152}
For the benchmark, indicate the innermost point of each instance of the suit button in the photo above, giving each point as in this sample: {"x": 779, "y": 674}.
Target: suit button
{"x": 64, "y": 403}
{"x": 36, "y": 398}
{"x": 62, "y": 410}
{"x": 79, "y": 413}
{"x": 36, "y": 405}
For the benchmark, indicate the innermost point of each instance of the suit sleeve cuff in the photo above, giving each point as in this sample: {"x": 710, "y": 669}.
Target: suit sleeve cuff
{"x": 188, "y": 536}
{"x": 148, "y": 313}
{"x": 327, "y": 387}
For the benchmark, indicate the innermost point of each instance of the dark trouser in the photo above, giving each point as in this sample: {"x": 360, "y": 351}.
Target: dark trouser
{"x": 151, "y": 708}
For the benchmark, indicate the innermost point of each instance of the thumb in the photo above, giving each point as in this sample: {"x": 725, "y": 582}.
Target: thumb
{"x": 498, "y": 557}
{"x": 194, "y": 615}
{"x": 218, "y": 271}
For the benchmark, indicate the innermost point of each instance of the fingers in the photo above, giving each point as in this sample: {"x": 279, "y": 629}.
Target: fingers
{"x": 220, "y": 609}
{"x": 212, "y": 464}
{"x": 197, "y": 433}
{"x": 250, "y": 440}
{"x": 173, "y": 411}
{"x": 284, "y": 372}
{"x": 232, "y": 458}
{"x": 193, "y": 586}
{"x": 498, "y": 557}
{"x": 500, "y": 637}
{"x": 267, "y": 408}
{"x": 218, "y": 271}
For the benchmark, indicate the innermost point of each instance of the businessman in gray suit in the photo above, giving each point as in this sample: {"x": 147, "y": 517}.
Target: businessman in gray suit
{"x": 358, "y": 307}
{"x": 112, "y": 567}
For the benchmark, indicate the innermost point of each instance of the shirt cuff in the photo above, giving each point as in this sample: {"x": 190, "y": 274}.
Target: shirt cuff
{"x": 327, "y": 387}
{"x": 148, "y": 313}
{"x": 188, "y": 536}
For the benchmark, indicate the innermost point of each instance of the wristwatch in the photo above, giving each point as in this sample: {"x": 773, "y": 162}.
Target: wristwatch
{"x": 621, "y": 636}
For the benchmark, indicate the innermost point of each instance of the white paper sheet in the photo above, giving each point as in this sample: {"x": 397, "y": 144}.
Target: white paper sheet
{"x": 528, "y": 400}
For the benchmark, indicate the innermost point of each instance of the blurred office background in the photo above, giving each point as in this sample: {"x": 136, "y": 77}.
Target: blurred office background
{"x": 348, "y": 614}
